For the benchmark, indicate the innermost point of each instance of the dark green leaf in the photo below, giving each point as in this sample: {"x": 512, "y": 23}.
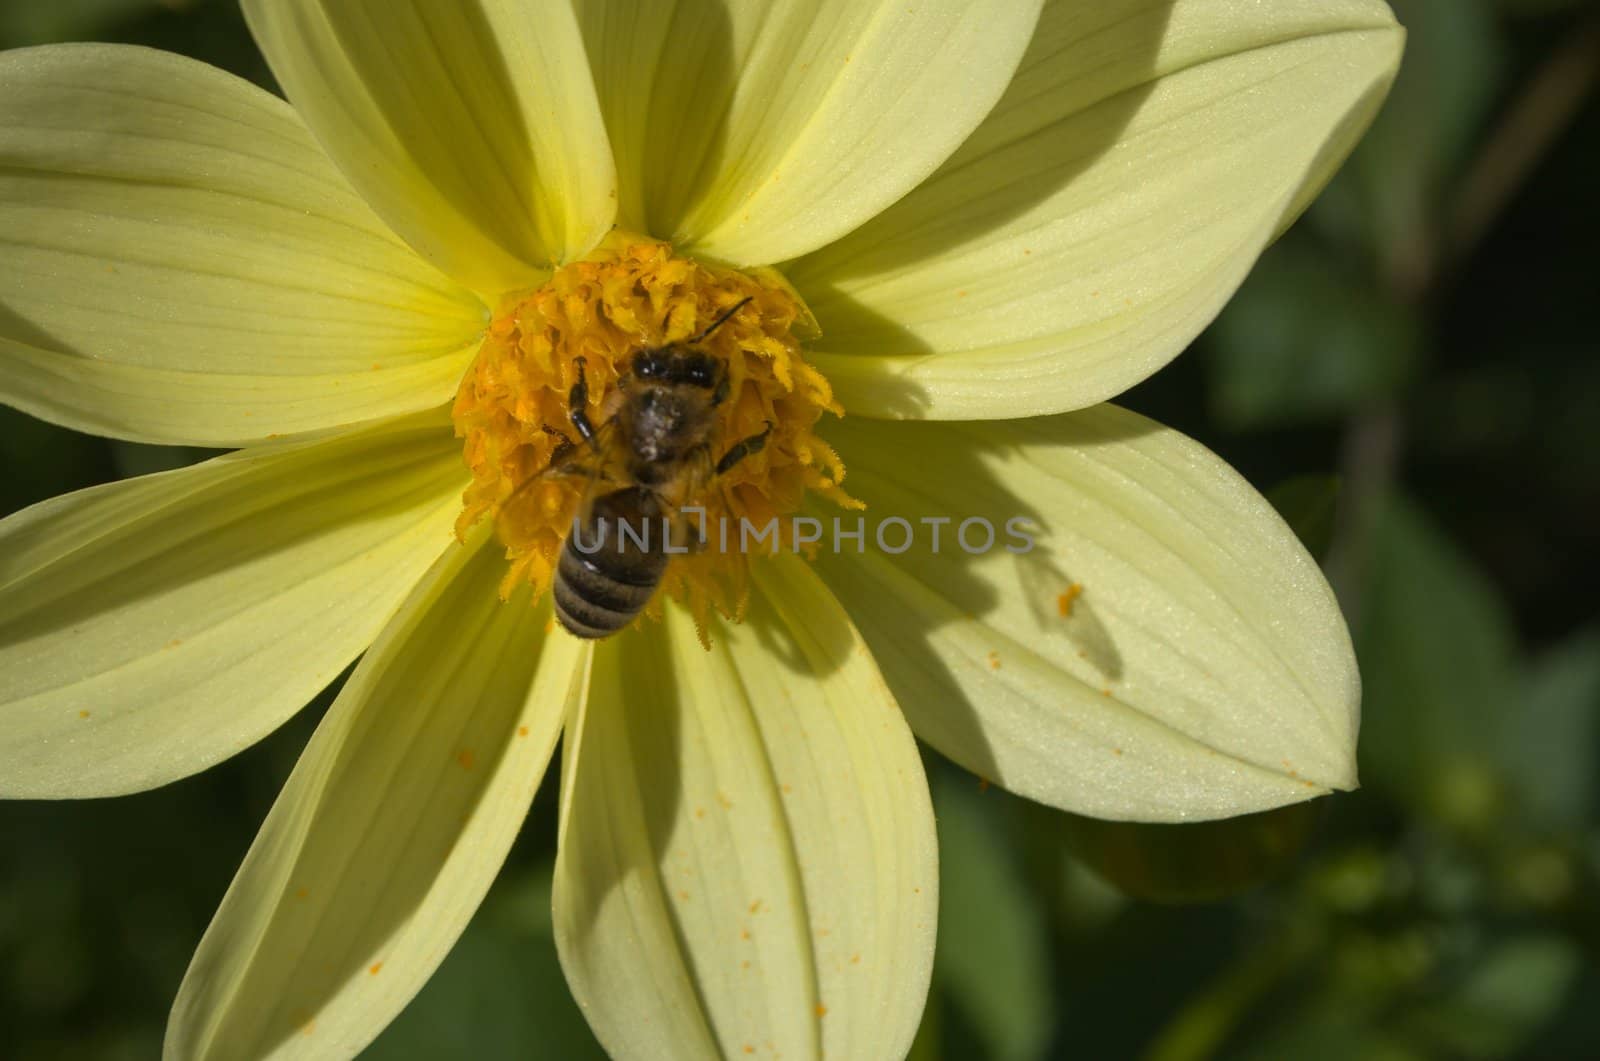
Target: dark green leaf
{"x": 1301, "y": 341}
{"x": 991, "y": 961}
{"x": 1553, "y": 737}
{"x": 133, "y": 458}
{"x": 25, "y": 22}
{"x": 1308, "y": 503}
{"x": 1401, "y": 179}
{"x": 1513, "y": 990}
{"x": 1436, "y": 653}
{"x": 1194, "y": 863}
{"x": 500, "y": 993}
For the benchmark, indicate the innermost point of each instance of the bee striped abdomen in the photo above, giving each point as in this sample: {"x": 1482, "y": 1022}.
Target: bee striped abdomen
{"x": 602, "y": 586}
{"x": 595, "y": 598}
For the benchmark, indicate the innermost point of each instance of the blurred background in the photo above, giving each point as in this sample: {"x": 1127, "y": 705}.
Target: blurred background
{"x": 1410, "y": 374}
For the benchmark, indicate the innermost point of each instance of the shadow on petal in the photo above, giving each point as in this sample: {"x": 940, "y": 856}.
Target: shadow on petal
{"x": 1016, "y": 183}
{"x": 1061, "y": 605}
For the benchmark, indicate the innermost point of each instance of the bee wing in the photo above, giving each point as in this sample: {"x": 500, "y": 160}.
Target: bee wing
{"x": 699, "y": 473}
{"x": 595, "y": 464}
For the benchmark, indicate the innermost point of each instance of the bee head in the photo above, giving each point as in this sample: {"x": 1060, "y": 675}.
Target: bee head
{"x": 677, "y": 365}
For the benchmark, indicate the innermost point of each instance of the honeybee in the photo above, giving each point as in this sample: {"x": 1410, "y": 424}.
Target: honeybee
{"x": 645, "y": 464}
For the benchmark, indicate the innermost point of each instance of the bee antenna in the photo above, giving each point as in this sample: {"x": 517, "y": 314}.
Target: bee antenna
{"x": 720, "y": 321}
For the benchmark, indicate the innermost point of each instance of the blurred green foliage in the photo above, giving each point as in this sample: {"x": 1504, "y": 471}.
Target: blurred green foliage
{"x": 1413, "y": 364}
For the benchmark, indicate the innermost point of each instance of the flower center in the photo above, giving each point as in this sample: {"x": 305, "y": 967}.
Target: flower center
{"x": 668, "y": 394}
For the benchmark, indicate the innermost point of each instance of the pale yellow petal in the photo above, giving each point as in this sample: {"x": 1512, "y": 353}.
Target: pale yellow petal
{"x": 472, "y": 129}
{"x": 757, "y": 131}
{"x": 175, "y": 407}
{"x": 179, "y": 262}
{"x": 747, "y": 861}
{"x": 154, "y": 627}
{"x": 1166, "y": 650}
{"x": 1113, "y": 201}
{"x": 391, "y": 828}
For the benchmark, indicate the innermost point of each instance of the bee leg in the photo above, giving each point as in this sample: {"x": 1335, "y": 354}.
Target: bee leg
{"x": 564, "y": 446}
{"x": 577, "y": 406}
{"x": 744, "y": 448}
{"x": 720, "y": 395}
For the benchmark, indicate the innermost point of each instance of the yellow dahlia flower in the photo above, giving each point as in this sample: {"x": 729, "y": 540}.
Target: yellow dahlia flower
{"x": 955, "y": 213}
